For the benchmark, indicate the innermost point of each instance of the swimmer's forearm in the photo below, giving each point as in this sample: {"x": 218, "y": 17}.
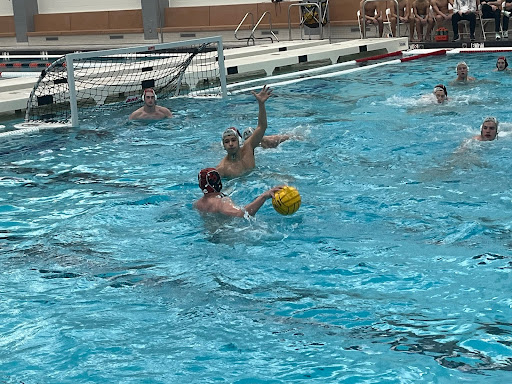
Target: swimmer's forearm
{"x": 262, "y": 116}
{"x": 253, "y": 207}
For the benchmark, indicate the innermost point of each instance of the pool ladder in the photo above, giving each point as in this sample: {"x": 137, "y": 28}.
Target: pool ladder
{"x": 251, "y": 37}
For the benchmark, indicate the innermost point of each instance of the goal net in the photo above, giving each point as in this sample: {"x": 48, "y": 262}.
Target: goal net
{"x": 78, "y": 82}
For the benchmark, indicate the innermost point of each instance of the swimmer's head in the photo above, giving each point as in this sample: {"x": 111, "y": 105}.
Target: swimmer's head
{"x": 489, "y": 129}
{"x": 148, "y": 92}
{"x": 232, "y": 131}
{"x": 502, "y": 63}
{"x": 462, "y": 66}
{"x": 247, "y": 133}
{"x": 440, "y": 93}
{"x": 442, "y": 88}
{"x": 209, "y": 180}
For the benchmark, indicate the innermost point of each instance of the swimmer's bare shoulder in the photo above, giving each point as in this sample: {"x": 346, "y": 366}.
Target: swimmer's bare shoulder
{"x": 135, "y": 115}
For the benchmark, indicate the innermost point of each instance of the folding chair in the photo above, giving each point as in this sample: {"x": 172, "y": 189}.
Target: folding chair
{"x": 314, "y": 15}
{"x": 464, "y": 23}
{"x": 434, "y": 26}
{"x": 505, "y": 13}
{"x": 485, "y": 21}
{"x": 400, "y": 25}
{"x": 465, "y": 28}
{"x": 387, "y": 24}
{"x": 365, "y": 25}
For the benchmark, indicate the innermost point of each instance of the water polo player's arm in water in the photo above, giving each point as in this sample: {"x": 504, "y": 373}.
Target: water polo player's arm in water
{"x": 227, "y": 207}
{"x": 272, "y": 141}
{"x": 253, "y": 207}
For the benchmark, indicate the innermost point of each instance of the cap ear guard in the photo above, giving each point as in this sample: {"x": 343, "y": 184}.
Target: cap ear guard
{"x": 504, "y": 59}
{"x": 143, "y": 97}
{"x": 232, "y": 131}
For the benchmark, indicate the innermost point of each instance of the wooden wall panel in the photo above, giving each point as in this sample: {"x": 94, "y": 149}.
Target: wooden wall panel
{"x": 7, "y": 24}
{"x": 89, "y": 21}
{"x": 128, "y": 19}
{"x": 279, "y": 12}
{"x": 52, "y": 22}
{"x": 342, "y": 12}
{"x": 232, "y": 14}
{"x": 187, "y": 17}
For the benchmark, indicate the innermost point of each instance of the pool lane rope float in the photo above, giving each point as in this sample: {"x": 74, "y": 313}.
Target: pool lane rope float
{"x": 311, "y": 71}
{"x": 479, "y": 50}
{"x": 32, "y": 127}
{"x": 439, "y": 52}
{"x": 331, "y": 67}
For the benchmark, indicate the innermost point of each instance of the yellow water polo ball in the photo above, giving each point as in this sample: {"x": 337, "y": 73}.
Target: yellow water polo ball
{"x": 286, "y": 201}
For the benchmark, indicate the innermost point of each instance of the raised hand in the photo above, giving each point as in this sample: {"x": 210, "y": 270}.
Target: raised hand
{"x": 262, "y": 95}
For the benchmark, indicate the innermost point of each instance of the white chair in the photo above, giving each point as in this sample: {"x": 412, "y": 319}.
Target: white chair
{"x": 505, "y": 13}
{"x": 485, "y": 21}
{"x": 414, "y": 22}
{"x": 465, "y": 28}
{"x": 433, "y": 31}
{"x": 387, "y": 25}
{"x": 464, "y": 23}
{"x": 399, "y": 24}
{"x": 363, "y": 22}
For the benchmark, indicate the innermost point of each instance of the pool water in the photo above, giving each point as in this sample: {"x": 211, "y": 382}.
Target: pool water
{"x": 396, "y": 268}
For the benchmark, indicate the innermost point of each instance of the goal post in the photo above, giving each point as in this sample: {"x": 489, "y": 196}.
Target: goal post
{"x": 80, "y": 82}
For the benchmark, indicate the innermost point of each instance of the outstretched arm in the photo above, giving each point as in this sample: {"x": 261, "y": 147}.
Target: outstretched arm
{"x": 253, "y": 207}
{"x": 273, "y": 141}
{"x": 262, "y": 97}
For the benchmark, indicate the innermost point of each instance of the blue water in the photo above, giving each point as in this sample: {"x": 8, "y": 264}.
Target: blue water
{"x": 396, "y": 268}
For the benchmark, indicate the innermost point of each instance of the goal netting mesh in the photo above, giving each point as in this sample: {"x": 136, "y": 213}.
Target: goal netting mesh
{"x": 76, "y": 83}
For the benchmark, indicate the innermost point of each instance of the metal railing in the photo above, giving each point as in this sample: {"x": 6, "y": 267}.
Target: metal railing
{"x": 323, "y": 18}
{"x": 251, "y": 37}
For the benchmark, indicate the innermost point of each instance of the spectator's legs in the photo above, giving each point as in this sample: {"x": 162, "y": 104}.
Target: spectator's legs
{"x": 472, "y": 23}
{"x": 488, "y": 13}
{"x": 455, "y": 25}
{"x": 497, "y": 20}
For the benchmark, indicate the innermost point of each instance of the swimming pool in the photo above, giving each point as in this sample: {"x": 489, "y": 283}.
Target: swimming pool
{"x": 396, "y": 268}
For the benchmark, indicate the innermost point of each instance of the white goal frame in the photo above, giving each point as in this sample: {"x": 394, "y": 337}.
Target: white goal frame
{"x": 72, "y": 58}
